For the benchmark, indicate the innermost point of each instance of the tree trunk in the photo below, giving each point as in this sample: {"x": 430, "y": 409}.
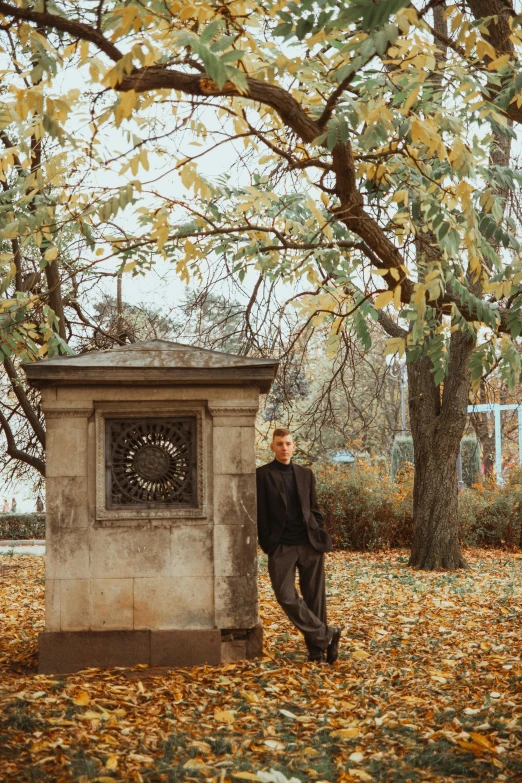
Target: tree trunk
{"x": 438, "y": 420}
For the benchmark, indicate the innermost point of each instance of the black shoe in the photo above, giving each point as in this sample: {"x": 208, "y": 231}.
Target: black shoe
{"x": 332, "y": 651}
{"x": 315, "y": 654}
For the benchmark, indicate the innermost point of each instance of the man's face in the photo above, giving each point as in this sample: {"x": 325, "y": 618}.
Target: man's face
{"x": 283, "y": 447}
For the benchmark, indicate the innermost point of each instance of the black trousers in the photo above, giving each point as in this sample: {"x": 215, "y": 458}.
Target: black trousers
{"x": 307, "y": 613}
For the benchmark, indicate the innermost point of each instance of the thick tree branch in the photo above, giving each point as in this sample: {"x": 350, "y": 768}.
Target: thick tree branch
{"x": 332, "y": 100}
{"x": 389, "y": 325}
{"x": 291, "y": 112}
{"x": 64, "y": 24}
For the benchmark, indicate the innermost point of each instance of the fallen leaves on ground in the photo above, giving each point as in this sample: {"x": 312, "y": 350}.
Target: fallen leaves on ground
{"x": 428, "y": 688}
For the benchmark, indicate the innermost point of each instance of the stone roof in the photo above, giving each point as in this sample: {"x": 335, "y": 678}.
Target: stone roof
{"x": 157, "y": 361}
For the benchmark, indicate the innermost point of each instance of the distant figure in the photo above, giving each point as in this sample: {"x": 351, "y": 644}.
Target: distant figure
{"x": 13, "y": 506}
{"x": 39, "y": 505}
{"x": 5, "y": 507}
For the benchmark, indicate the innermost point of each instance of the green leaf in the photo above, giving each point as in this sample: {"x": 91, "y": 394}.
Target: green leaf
{"x": 332, "y": 136}
{"x": 210, "y": 31}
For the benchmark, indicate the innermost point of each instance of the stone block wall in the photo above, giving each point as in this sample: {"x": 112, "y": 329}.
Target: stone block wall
{"x": 158, "y": 574}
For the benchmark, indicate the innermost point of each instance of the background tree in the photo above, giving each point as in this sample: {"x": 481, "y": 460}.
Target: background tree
{"x": 370, "y": 146}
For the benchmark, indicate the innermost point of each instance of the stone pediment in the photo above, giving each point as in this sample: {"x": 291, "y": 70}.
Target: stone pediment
{"x": 157, "y": 361}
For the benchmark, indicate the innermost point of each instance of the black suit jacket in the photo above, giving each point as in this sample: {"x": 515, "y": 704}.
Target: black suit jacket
{"x": 271, "y": 507}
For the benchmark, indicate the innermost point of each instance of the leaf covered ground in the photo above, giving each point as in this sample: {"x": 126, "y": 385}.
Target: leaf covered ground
{"x": 428, "y": 688}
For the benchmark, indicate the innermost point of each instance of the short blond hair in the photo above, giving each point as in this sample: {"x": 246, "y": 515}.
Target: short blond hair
{"x": 281, "y": 432}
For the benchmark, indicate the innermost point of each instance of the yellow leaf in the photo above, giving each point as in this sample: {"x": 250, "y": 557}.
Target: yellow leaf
{"x": 112, "y": 761}
{"x": 383, "y": 299}
{"x": 187, "y": 13}
{"x": 360, "y": 654}
{"x": 352, "y": 731}
{"x": 90, "y": 715}
{"x": 484, "y": 49}
{"x": 481, "y": 740}
{"x": 401, "y": 195}
{"x": 251, "y": 698}
{"x": 245, "y": 775}
{"x": 360, "y": 774}
{"x": 275, "y": 744}
{"x": 51, "y": 253}
{"x": 419, "y": 132}
{"x": 82, "y": 699}
{"x": 224, "y": 716}
{"x": 127, "y": 103}
{"x": 193, "y": 764}
{"x": 393, "y": 345}
{"x": 397, "y": 297}
{"x": 410, "y": 100}
{"x": 498, "y": 63}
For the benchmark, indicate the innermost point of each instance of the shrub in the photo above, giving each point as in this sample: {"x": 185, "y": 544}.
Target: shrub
{"x": 491, "y": 516}
{"x": 401, "y": 453}
{"x": 470, "y": 454}
{"x": 363, "y": 509}
{"x": 17, "y": 527}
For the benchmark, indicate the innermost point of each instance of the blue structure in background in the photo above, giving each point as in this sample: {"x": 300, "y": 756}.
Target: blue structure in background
{"x": 342, "y": 456}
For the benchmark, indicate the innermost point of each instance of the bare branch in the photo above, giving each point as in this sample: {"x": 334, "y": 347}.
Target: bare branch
{"x": 21, "y": 396}
{"x": 16, "y": 453}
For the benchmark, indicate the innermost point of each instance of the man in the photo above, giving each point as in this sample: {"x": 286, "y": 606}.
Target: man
{"x": 291, "y": 532}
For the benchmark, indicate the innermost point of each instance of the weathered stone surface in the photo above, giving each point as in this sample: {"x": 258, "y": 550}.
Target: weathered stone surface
{"x": 48, "y": 395}
{"x": 148, "y": 393}
{"x": 66, "y": 447}
{"x": 174, "y": 602}
{"x": 112, "y": 604}
{"x": 191, "y": 551}
{"x": 234, "y": 450}
{"x": 236, "y": 602}
{"x": 233, "y": 651}
{"x": 155, "y": 361}
{"x": 235, "y": 550}
{"x": 129, "y": 552}
{"x": 233, "y": 421}
{"x": 227, "y": 446}
{"x": 248, "y": 450}
{"x": 235, "y": 500}
{"x": 75, "y": 609}
{"x": 67, "y": 502}
{"x": 52, "y": 605}
{"x": 67, "y": 554}
{"x": 61, "y": 652}
{"x": 185, "y": 647}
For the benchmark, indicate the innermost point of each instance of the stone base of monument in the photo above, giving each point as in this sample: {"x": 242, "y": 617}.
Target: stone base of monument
{"x": 65, "y": 652}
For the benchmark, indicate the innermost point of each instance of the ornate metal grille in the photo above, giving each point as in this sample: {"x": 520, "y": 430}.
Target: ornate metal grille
{"x": 151, "y": 462}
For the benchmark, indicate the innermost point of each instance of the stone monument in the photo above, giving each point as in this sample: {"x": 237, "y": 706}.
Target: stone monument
{"x": 151, "y": 531}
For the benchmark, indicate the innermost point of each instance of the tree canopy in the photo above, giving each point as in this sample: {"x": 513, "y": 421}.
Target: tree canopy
{"x": 362, "y": 131}
{"x": 359, "y": 151}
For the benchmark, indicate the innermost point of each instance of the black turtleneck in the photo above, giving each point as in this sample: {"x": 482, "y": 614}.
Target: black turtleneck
{"x": 295, "y": 531}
